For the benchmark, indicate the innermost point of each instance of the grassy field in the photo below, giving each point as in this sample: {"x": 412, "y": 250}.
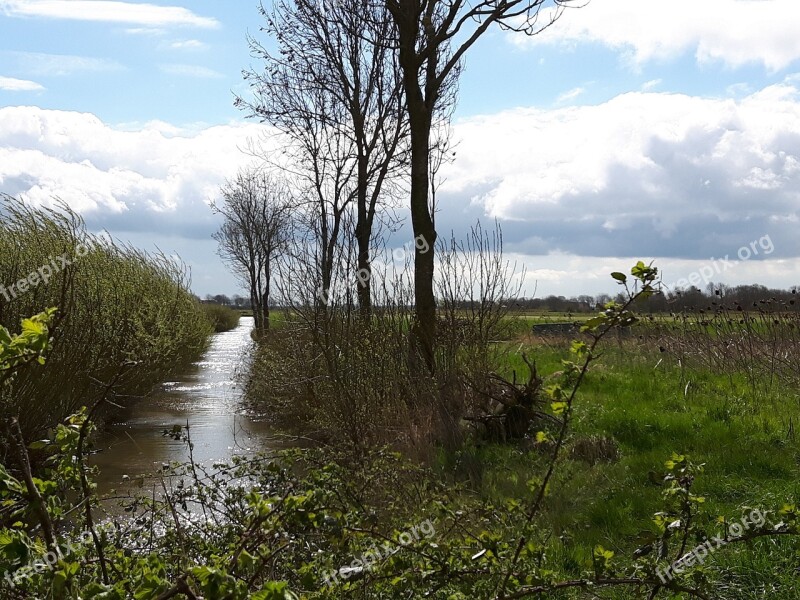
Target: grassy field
{"x": 648, "y": 407}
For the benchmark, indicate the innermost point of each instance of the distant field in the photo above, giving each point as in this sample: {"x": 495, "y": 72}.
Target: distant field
{"x": 550, "y": 317}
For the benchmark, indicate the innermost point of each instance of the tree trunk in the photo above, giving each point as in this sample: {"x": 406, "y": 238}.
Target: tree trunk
{"x": 267, "y": 290}
{"x": 254, "y": 307}
{"x": 423, "y": 331}
{"x": 363, "y": 236}
{"x": 420, "y": 105}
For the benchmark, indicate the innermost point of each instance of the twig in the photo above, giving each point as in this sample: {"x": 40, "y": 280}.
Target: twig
{"x": 48, "y": 530}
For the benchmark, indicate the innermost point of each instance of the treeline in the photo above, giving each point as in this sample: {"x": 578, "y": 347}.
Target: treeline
{"x": 747, "y": 296}
{"x": 235, "y": 301}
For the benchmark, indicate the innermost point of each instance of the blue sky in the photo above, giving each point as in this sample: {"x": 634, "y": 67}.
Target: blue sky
{"x": 667, "y": 130}
{"x": 186, "y": 73}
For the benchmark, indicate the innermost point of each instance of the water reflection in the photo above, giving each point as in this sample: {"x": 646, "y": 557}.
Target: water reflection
{"x": 207, "y": 397}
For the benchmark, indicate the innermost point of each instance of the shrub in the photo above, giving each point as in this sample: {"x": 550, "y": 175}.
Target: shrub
{"x": 221, "y": 318}
{"x": 124, "y": 315}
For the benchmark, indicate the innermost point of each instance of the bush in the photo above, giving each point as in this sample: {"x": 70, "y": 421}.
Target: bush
{"x": 333, "y": 373}
{"x": 348, "y": 383}
{"x": 221, "y": 318}
{"x": 123, "y": 314}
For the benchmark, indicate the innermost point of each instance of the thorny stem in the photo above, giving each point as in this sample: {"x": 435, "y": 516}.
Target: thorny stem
{"x": 560, "y": 440}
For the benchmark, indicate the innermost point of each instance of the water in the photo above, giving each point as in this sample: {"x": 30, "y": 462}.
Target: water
{"x": 208, "y": 397}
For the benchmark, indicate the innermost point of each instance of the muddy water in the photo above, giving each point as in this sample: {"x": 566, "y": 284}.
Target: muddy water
{"x": 207, "y": 396}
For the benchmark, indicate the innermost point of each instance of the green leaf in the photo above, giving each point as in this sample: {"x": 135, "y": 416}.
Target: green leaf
{"x": 602, "y": 557}
{"x": 579, "y": 348}
{"x": 593, "y": 323}
{"x": 274, "y": 590}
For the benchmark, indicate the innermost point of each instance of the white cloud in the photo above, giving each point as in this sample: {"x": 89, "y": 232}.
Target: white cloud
{"x": 643, "y": 175}
{"x": 110, "y": 11}
{"x": 9, "y": 84}
{"x": 736, "y": 32}
{"x": 191, "y": 71}
{"x": 651, "y": 85}
{"x": 570, "y": 95}
{"x": 188, "y": 45}
{"x": 37, "y": 63}
{"x": 665, "y": 174}
{"x": 103, "y": 172}
{"x": 150, "y": 31}
{"x": 570, "y": 275}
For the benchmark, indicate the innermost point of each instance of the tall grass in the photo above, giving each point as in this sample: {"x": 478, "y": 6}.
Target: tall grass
{"x": 124, "y": 315}
{"x": 222, "y": 318}
{"x": 757, "y": 342}
{"x": 333, "y": 374}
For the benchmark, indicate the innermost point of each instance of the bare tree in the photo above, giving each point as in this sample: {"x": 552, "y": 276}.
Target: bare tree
{"x": 475, "y": 283}
{"x": 334, "y": 88}
{"x": 257, "y": 229}
{"x": 433, "y": 36}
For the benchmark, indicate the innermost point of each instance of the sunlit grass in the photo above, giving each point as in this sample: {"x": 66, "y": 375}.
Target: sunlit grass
{"x": 652, "y": 407}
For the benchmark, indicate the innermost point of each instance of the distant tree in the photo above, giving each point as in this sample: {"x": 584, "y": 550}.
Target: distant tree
{"x": 585, "y": 302}
{"x": 222, "y": 299}
{"x": 602, "y": 299}
{"x": 334, "y": 88}
{"x": 256, "y": 207}
{"x": 433, "y": 36}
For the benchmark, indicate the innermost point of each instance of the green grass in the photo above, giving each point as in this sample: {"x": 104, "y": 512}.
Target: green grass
{"x": 750, "y": 454}
{"x": 650, "y": 407}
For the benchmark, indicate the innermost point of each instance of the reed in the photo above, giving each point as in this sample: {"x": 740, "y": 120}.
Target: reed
{"x": 123, "y": 314}
{"x": 222, "y": 318}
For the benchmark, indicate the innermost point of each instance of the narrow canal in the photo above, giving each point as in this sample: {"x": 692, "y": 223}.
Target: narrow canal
{"x": 207, "y": 397}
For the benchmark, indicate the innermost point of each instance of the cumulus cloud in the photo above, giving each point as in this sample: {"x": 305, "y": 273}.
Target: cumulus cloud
{"x": 652, "y": 173}
{"x": 10, "y": 84}
{"x": 736, "y": 32}
{"x": 148, "y": 180}
{"x": 644, "y": 175}
{"x": 110, "y": 11}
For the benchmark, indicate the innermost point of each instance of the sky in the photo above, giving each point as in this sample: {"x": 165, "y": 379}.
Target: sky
{"x": 661, "y": 130}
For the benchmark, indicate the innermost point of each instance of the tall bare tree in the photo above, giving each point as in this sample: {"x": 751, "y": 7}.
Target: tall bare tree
{"x": 334, "y": 87}
{"x": 433, "y": 37}
{"x": 256, "y": 230}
